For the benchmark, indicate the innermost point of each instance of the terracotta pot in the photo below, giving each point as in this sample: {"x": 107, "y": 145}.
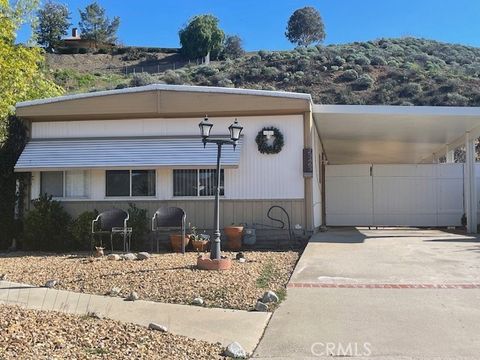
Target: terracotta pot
{"x": 205, "y": 263}
{"x": 200, "y": 245}
{"x": 234, "y": 237}
{"x": 176, "y": 242}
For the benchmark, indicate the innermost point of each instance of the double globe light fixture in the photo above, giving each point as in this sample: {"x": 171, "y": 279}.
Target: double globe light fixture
{"x": 235, "y": 132}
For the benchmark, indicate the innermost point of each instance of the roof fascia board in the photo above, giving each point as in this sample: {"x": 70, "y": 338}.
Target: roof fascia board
{"x": 177, "y": 88}
{"x": 396, "y": 110}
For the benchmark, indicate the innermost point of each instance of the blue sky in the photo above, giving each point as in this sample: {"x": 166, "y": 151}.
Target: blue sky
{"x": 261, "y": 24}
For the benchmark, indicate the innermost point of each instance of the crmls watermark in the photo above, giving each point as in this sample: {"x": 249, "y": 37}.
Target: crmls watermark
{"x": 341, "y": 349}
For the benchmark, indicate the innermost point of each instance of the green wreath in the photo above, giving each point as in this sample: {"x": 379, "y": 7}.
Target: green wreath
{"x": 264, "y": 147}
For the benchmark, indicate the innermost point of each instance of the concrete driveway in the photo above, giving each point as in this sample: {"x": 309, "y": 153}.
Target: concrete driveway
{"x": 385, "y": 294}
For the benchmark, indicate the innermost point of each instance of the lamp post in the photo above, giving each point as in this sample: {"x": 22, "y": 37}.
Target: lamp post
{"x": 235, "y": 130}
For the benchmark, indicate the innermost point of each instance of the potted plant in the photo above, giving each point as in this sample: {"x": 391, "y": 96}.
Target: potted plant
{"x": 199, "y": 241}
{"x": 234, "y": 236}
{"x": 176, "y": 241}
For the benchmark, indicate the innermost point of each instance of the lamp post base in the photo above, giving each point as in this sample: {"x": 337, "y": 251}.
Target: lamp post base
{"x": 205, "y": 263}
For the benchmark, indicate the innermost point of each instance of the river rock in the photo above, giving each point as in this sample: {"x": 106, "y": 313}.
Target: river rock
{"x": 113, "y": 257}
{"x": 115, "y": 291}
{"x": 129, "y": 256}
{"x": 132, "y": 296}
{"x": 143, "y": 255}
{"x": 197, "y": 301}
{"x": 260, "y": 306}
{"x": 51, "y": 283}
{"x": 153, "y": 326}
{"x": 236, "y": 351}
{"x": 270, "y": 296}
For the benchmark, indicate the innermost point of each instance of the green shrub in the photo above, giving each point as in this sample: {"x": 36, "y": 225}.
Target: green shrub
{"x": 226, "y": 83}
{"x": 132, "y": 54}
{"x": 142, "y": 79}
{"x": 264, "y": 54}
{"x": 207, "y": 70}
{"x": 339, "y": 61}
{"x": 270, "y": 72}
{"x": 255, "y": 59}
{"x": 455, "y": 99}
{"x": 362, "y": 60}
{"x": 139, "y": 223}
{"x": 364, "y": 82}
{"x": 12, "y": 141}
{"x": 81, "y": 229}
{"x": 349, "y": 75}
{"x": 103, "y": 51}
{"x": 378, "y": 60}
{"x": 410, "y": 90}
{"x": 47, "y": 226}
{"x": 303, "y": 65}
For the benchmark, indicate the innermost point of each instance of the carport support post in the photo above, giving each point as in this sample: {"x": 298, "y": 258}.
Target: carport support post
{"x": 450, "y": 155}
{"x": 470, "y": 185}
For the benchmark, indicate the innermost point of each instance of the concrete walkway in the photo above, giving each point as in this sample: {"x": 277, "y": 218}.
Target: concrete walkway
{"x": 209, "y": 324}
{"x": 381, "y": 294}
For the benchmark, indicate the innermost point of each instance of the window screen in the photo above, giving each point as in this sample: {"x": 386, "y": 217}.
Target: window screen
{"x": 196, "y": 182}
{"x": 51, "y": 183}
{"x": 143, "y": 182}
{"x": 76, "y": 184}
{"x": 208, "y": 185}
{"x": 118, "y": 183}
{"x": 185, "y": 182}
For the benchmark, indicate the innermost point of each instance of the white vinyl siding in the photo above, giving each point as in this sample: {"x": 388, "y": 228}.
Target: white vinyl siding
{"x": 258, "y": 176}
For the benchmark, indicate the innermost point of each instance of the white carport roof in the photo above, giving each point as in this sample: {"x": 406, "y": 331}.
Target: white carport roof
{"x": 365, "y": 134}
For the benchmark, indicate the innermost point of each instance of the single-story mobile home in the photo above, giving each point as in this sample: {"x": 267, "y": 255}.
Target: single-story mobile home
{"x": 334, "y": 165}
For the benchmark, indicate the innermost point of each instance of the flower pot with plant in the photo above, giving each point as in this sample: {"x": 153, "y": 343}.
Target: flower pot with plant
{"x": 234, "y": 236}
{"x": 176, "y": 241}
{"x": 199, "y": 242}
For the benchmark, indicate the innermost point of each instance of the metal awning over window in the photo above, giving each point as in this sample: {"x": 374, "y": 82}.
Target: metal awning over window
{"x": 118, "y": 153}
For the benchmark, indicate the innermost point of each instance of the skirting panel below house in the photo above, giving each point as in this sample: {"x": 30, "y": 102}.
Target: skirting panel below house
{"x": 200, "y": 212}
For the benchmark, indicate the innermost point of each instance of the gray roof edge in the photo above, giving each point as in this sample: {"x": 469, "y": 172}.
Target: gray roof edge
{"x": 324, "y": 109}
{"x": 164, "y": 87}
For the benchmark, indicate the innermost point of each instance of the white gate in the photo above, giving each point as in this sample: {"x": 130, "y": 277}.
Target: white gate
{"x": 394, "y": 195}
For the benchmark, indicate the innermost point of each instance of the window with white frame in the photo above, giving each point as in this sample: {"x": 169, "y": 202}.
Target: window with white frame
{"x": 65, "y": 184}
{"x": 127, "y": 183}
{"x": 197, "y": 182}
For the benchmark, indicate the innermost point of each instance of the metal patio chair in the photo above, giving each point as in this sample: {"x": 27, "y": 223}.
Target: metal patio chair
{"x": 169, "y": 218}
{"x": 113, "y": 221}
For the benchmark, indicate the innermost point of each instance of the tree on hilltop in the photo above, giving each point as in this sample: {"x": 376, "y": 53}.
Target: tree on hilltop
{"x": 305, "y": 27}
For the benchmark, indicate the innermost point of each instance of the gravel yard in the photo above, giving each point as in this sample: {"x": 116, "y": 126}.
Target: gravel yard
{"x": 171, "y": 278}
{"x": 28, "y": 334}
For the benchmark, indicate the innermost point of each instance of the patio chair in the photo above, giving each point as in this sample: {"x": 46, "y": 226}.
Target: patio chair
{"x": 169, "y": 218}
{"x": 113, "y": 222}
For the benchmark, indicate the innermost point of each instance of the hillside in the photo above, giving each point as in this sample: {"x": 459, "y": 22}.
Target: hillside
{"x": 405, "y": 71}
